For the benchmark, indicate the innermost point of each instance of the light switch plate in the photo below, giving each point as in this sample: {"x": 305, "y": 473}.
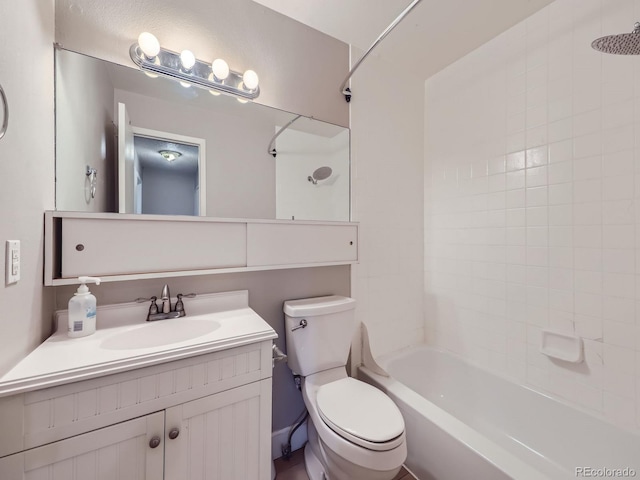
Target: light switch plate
{"x": 12, "y": 261}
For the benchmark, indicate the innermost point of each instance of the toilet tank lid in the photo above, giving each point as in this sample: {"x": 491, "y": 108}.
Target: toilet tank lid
{"x": 309, "y": 307}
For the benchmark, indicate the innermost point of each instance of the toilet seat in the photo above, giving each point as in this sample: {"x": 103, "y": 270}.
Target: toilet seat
{"x": 360, "y": 414}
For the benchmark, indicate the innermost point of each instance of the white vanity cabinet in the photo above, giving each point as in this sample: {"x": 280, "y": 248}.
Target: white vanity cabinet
{"x": 203, "y": 417}
{"x": 219, "y": 436}
{"x": 118, "y": 452}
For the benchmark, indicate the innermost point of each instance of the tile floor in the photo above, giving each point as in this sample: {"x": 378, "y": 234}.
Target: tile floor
{"x": 293, "y": 469}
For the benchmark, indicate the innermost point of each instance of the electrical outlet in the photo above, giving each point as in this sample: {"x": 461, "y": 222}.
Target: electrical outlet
{"x": 12, "y": 261}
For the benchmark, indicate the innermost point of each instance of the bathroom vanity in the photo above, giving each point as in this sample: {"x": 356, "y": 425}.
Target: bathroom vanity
{"x": 176, "y": 399}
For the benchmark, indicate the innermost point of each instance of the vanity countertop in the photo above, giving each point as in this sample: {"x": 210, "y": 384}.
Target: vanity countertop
{"x": 125, "y": 341}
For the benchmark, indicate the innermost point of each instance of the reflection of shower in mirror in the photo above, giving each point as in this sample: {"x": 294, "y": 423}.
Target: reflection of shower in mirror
{"x": 320, "y": 174}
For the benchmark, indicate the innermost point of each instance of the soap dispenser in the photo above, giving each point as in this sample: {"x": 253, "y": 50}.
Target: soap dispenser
{"x": 82, "y": 310}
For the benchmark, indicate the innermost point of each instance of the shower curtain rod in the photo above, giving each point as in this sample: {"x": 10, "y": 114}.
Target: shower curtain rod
{"x": 347, "y": 91}
{"x": 271, "y": 149}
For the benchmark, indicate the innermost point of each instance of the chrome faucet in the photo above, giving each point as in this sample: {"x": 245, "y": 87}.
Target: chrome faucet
{"x": 166, "y": 299}
{"x": 166, "y": 310}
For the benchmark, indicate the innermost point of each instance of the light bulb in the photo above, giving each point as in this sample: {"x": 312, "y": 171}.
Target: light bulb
{"x": 185, "y": 84}
{"x": 187, "y": 59}
{"x": 242, "y": 100}
{"x": 250, "y": 79}
{"x": 214, "y": 93}
{"x": 149, "y": 45}
{"x": 220, "y": 69}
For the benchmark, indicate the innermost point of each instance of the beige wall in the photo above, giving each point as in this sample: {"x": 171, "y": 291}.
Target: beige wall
{"x": 26, "y": 170}
{"x": 267, "y": 292}
{"x": 235, "y": 189}
{"x": 300, "y": 69}
{"x": 85, "y": 134}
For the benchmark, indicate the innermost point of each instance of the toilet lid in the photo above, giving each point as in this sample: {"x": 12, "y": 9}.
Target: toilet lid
{"x": 356, "y": 410}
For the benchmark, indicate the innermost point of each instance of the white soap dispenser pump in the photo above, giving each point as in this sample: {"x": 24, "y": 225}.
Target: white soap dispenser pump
{"x": 82, "y": 309}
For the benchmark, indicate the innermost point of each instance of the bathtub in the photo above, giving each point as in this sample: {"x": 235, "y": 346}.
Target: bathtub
{"x": 463, "y": 422}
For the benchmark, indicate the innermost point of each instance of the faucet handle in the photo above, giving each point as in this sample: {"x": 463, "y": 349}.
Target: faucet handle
{"x": 143, "y": 299}
{"x": 153, "y": 308}
{"x": 180, "y": 305}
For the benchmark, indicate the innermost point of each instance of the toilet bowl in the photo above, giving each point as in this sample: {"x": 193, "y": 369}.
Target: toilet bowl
{"x": 355, "y": 431}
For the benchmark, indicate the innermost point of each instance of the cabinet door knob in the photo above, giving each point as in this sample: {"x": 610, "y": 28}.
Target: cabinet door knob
{"x": 173, "y": 433}
{"x": 154, "y": 442}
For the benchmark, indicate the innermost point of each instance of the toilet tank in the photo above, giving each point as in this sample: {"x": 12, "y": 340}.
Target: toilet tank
{"x": 325, "y": 341}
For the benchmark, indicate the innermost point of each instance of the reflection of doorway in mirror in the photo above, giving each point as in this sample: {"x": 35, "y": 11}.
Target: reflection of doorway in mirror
{"x": 160, "y": 173}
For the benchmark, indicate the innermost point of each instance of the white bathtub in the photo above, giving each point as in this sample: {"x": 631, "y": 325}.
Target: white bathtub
{"x": 463, "y": 422}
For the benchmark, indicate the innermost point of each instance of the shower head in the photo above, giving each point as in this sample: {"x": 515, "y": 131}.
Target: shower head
{"x": 321, "y": 173}
{"x": 622, "y": 44}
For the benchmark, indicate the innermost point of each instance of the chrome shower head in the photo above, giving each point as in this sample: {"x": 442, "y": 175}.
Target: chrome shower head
{"x": 321, "y": 173}
{"x": 622, "y": 44}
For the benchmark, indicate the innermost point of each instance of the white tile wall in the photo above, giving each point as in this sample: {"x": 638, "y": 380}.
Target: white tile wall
{"x": 533, "y": 205}
{"x": 387, "y": 157}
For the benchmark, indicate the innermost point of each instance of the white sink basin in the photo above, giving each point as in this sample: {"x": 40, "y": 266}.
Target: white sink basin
{"x": 124, "y": 341}
{"x": 159, "y": 333}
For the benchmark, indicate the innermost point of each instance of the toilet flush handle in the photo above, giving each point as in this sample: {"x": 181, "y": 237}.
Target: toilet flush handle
{"x": 302, "y": 324}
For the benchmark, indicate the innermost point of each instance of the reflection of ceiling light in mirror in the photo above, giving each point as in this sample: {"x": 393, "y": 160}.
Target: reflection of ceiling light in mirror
{"x": 187, "y": 59}
{"x": 242, "y": 100}
{"x": 185, "y": 84}
{"x": 149, "y": 44}
{"x": 169, "y": 155}
{"x": 220, "y": 69}
{"x": 213, "y": 79}
{"x": 155, "y": 61}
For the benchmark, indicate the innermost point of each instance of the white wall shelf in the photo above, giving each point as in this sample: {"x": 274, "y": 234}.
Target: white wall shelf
{"x": 120, "y": 247}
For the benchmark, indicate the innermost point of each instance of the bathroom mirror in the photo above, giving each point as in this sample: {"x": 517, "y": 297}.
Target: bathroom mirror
{"x": 133, "y": 143}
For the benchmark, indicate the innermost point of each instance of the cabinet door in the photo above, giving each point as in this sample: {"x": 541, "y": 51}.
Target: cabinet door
{"x": 288, "y": 244}
{"x": 119, "y": 452}
{"x": 226, "y": 436}
{"x": 108, "y": 248}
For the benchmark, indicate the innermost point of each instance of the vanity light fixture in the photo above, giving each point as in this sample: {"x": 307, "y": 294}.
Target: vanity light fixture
{"x": 188, "y": 60}
{"x": 219, "y": 69}
{"x": 149, "y": 45}
{"x": 185, "y": 67}
{"x": 169, "y": 155}
{"x": 250, "y": 79}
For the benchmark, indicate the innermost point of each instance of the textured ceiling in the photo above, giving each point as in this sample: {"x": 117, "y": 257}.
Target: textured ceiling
{"x": 433, "y": 35}
{"x": 148, "y": 150}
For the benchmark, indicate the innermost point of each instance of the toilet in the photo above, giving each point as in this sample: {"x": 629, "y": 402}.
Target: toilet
{"x": 355, "y": 432}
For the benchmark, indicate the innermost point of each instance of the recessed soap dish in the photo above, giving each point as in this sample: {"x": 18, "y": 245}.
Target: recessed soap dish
{"x": 562, "y": 346}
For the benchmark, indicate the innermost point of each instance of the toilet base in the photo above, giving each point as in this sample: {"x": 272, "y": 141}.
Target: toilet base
{"x": 322, "y": 463}
{"x": 312, "y": 464}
